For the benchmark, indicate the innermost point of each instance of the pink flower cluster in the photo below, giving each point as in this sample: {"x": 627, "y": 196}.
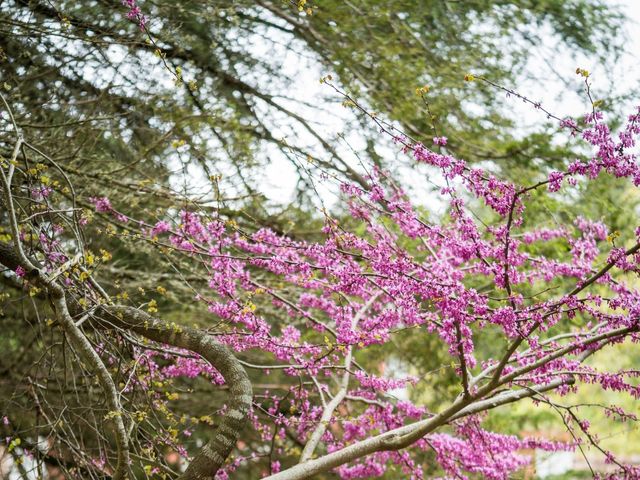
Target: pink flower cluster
{"x": 310, "y": 305}
{"x": 135, "y": 13}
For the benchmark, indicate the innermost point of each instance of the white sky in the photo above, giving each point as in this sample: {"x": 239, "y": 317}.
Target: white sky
{"x": 280, "y": 178}
{"x": 554, "y": 87}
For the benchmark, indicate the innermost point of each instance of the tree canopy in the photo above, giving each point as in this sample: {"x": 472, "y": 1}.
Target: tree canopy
{"x": 225, "y": 77}
{"x": 163, "y": 319}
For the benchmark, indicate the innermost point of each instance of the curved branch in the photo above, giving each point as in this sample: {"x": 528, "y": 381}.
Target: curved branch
{"x": 212, "y": 456}
{"x": 82, "y": 344}
{"x": 11, "y": 257}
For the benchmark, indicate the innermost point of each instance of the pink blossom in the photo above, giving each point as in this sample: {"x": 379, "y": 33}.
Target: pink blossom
{"x": 159, "y": 228}
{"x": 555, "y": 181}
{"x": 102, "y": 204}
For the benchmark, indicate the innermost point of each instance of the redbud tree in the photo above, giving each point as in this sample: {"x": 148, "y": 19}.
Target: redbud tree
{"x": 312, "y": 311}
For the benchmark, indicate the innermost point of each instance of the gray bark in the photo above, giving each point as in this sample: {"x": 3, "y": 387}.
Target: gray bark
{"x": 211, "y": 457}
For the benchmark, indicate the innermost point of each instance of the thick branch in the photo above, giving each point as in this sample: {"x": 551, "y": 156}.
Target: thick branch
{"x": 212, "y": 456}
{"x": 404, "y": 436}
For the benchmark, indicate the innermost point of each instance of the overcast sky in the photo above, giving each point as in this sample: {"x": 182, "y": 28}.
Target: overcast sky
{"x": 549, "y": 89}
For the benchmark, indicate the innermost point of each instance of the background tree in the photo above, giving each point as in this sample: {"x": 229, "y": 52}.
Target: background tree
{"x": 234, "y": 102}
{"x": 339, "y": 296}
{"x": 79, "y": 77}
